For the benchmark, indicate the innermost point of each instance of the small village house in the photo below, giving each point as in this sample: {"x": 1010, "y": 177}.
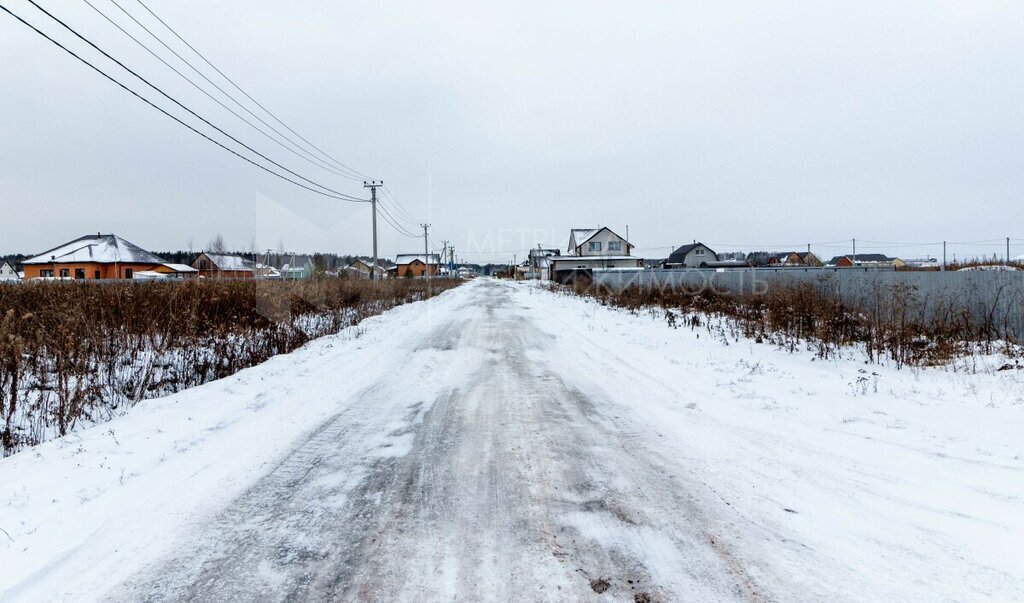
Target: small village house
{"x": 866, "y": 260}
{"x": 539, "y": 261}
{"x": 361, "y": 269}
{"x": 176, "y": 271}
{"x": 221, "y": 265}
{"x": 8, "y": 272}
{"x": 295, "y": 267}
{"x": 416, "y": 264}
{"x": 91, "y": 257}
{"x": 694, "y": 255}
{"x": 795, "y": 258}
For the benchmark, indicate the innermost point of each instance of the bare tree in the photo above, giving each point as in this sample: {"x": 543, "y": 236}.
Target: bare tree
{"x": 216, "y": 245}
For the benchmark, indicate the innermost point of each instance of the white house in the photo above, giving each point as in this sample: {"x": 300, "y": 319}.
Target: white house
{"x": 594, "y": 249}
{"x": 597, "y": 241}
{"x": 8, "y": 273}
{"x": 694, "y": 255}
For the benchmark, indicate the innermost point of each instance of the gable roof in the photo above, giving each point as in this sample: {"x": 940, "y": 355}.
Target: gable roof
{"x": 679, "y": 255}
{"x": 367, "y": 263}
{"x": 180, "y": 267}
{"x": 408, "y": 258}
{"x": 227, "y": 262}
{"x": 97, "y": 248}
{"x": 579, "y": 236}
{"x": 287, "y": 261}
{"x": 863, "y": 257}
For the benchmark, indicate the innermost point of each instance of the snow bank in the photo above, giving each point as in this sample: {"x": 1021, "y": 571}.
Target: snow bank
{"x": 857, "y": 481}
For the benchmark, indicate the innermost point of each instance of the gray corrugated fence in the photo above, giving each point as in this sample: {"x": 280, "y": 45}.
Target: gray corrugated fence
{"x": 995, "y": 298}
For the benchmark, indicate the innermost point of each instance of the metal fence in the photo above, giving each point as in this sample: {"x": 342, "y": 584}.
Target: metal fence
{"x": 995, "y": 298}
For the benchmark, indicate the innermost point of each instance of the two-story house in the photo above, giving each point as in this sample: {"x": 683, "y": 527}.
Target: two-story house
{"x": 594, "y": 249}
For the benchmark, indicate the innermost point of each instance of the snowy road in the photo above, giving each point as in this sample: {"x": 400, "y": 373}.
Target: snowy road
{"x": 503, "y": 443}
{"x": 491, "y": 480}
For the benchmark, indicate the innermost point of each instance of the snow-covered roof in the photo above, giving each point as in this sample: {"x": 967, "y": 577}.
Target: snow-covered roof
{"x": 148, "y": 275}
{"x": 408, "y": 258}
{"x": 367, "y": 264}
{"x": 579, "y": 236}
{"x": 234, "y": 263}
{"x": 98, "y": 248}
{"x": 179, "y": 267}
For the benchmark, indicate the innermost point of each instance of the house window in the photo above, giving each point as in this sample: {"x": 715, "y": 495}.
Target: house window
{"x": 699, "y": 251}
{"x": 614, "y": 245}
{"x": 128, "y": 272}
{"x": 46, "y": 273}
{"x": 80, "y": 273}
{"x": 64, "y": 273}
{"x": 595, "y": 246}
{"x": 96, "y": 275}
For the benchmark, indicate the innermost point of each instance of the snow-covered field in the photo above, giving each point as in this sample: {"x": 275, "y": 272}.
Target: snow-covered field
{"x": 503, "y": 442}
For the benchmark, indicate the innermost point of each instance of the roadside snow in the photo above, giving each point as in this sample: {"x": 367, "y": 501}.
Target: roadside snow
{"x": 100, "y": 502}
{"x": 856, "y": 480}
{"x": 806, "y": 479}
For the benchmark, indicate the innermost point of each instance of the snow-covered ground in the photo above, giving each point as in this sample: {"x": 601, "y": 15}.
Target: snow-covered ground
{"x": 503, "y": 442}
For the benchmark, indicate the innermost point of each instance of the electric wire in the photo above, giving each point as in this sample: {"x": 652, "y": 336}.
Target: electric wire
{"x": 391, "y": 220}
{"x": 254, "y": 101}
{"x": 311, "y": 159}
{"x": 168, "y": 114}
{"x": 339, "y": 194}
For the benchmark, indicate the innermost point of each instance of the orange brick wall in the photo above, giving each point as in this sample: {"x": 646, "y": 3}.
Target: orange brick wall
{"x": 107, "y": 271}
{"x": 416, "y": 268}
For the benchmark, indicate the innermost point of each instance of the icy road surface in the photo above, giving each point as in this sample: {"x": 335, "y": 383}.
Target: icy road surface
{"x": 501, "y": 442}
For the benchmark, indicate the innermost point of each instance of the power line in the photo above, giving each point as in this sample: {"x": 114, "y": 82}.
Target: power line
{"x": 340, "y": 195}
{"x": 391, "y": 195}
{"x": 165, "y": 112}
{"x": 390, "y": 220}
{"x": 317, "y": 162}
{"x": 239, "y": 88}
{"x": 395, "y": 215}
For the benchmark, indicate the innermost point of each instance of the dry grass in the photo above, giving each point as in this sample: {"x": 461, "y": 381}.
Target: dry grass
{"x": 82, "y": 352}
{"x": 886, "y": 322}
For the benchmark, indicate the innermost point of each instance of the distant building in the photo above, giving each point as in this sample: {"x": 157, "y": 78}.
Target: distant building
{"x": 361, "y": 269}
{"x": 539, "y": 261}
{"x": 176, "y": 271}
{"x": 794, "y": 258}
{"x": 294, "y": 267}
{"x": 866, "y": 260}
{"x": 221, "y": 265}
{"x": 694, "y": 255}
{"x": 416, "y": 264}
{"x": 91, "y": 257}
{"x": 8, "y": 272}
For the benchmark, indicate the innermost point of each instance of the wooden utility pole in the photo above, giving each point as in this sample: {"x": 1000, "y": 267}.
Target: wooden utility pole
{"x": 373, "y": 185}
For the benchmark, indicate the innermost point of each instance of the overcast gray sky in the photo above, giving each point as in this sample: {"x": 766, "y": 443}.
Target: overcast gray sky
{"x": 504, "y": 124}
